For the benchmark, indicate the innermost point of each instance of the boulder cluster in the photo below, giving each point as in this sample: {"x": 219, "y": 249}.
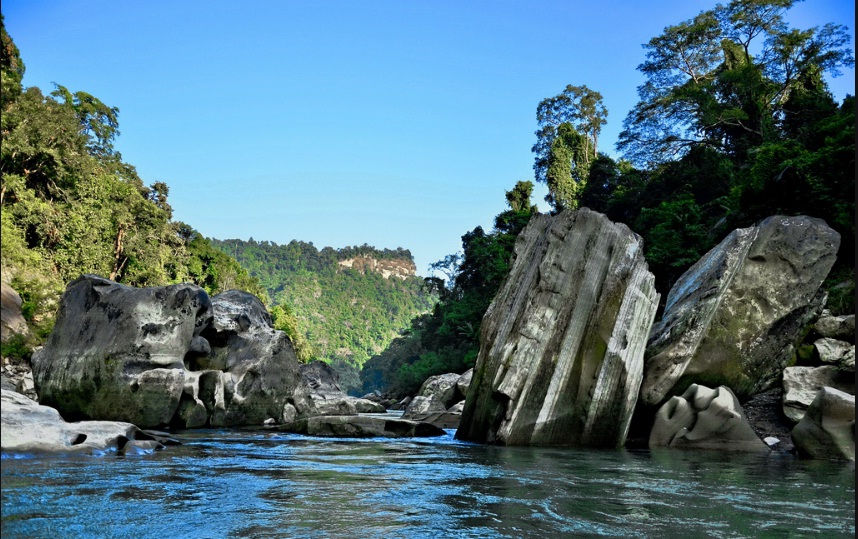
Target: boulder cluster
{"x": 571, "y": 353}
{"x": 122, "y": 359}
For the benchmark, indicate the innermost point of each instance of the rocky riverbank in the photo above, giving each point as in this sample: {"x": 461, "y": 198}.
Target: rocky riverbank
{"x": 743, "y": 358}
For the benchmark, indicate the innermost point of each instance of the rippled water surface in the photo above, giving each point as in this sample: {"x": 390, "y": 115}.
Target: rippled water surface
{"x": 267, "y": 484}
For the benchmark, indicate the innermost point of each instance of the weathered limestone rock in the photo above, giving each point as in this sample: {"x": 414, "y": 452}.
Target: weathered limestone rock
{"x": 836, "y": 327}
{"x": 117, "y": 352}
{"x": 733, "y": 317}
{"x": 836, "y": 352}
{"x": 325, "y": 397}
{"x": 361, "y": 427}
{"x": 562, "y": 344}
{"x": 436, "y": 395}
{"x": 464, "y": 382}
{"x": 704, "y": 418}
{"x": 260, "y": 370}
{"x": 827, "y": 430}
{"x": 12, "y": 322}
{"x": 28, "y": 427}
{"x": 443, "y": 388}
{"x": 802, "y": 384}
{"x": 422, "y": 406}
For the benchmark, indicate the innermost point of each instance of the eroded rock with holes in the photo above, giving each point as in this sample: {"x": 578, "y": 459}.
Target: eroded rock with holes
{"x": 118, "y": 353}
{"x": 732, "y": 319}
{"x": 561, "y": 356}
{"x": 704, "y": 418}
{"x": 253, "y": 366}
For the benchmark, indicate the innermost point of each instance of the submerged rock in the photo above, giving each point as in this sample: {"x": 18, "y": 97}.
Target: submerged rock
{"x": 343, "y": 426}
{"x": 28, "y": 427}
{"x": 704, "y": 418}
{"x": 827, "y": 430}
{"x": 733, "y": 317}
{"x": 562, "y": 344}
{"x": 117, "y": 352}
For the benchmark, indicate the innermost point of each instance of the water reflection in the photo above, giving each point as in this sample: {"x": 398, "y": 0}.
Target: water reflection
{"x": 264, "y": 484}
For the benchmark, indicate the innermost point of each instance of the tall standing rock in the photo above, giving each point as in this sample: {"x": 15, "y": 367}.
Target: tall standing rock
{"x": 733, "y": 317}
{"x": 562, "y": 344}
{"x": 117, "y": 352}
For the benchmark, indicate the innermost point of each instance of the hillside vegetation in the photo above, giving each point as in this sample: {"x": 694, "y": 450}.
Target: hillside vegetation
{"x": 348, "y": 304}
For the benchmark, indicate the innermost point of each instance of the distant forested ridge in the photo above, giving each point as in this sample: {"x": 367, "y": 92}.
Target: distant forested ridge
{"x": 71, "y": 205}
{"x": 348, "y": 303}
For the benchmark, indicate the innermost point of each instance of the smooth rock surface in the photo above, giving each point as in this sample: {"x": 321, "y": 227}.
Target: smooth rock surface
{"x": 827, "y": 430}
{"x": 801, "y": 385}
{"x": 117, "y": 352}
{"x": 562, "y": 344}
{"x": 28, "y": 427}
{"x": 733, "y": 317}
{"x": 704, "y": 418}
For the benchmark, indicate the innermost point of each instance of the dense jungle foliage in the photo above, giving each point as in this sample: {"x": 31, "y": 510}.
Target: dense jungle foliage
{"x": 70, "y": 206}
{"x": 735, "y": 123}
{"x": 341, "y": 315}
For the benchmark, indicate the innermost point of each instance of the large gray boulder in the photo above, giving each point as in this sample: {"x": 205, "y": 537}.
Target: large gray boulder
{"x": 732, "y": 319}
{"x": 835, "y": 352}
{"x": 704, "y": 418}
{"x": 28, "y": 427}
{"x": 165, "y": 356}
{"x": 323, "y": 395}
{"x": 118, "y": 353}
{"x": 562, "y": 344}
{"x": 440, "y": 400}
{"x": 836, "y": 327}
{"x": 827, "y": 430}
{"x": 253, "y": 366}
{"x": 802, "y": 384}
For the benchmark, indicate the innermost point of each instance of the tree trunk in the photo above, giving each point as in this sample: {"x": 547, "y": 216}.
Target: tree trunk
{"x": 116, "y": 264}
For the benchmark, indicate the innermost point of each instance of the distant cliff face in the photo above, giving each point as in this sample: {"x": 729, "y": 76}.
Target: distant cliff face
{"x": 399, "y": 268}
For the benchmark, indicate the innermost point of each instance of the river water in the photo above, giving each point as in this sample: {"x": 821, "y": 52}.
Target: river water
{"x": 222, "y": 483}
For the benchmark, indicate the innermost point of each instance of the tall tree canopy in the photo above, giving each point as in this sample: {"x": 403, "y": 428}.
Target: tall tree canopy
{"x": 566, "y": 142}
{"x": 723, "y": 78}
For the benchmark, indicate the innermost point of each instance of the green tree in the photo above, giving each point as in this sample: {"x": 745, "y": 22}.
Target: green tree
{"x": 566, "y": 141}
{"x": 705, "y": 87}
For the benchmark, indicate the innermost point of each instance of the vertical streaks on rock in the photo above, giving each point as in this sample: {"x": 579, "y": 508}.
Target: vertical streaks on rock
{"x": 562, "y": 343}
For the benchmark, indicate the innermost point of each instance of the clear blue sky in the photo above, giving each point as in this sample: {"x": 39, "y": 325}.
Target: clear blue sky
{"x": 391, "y": 123}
